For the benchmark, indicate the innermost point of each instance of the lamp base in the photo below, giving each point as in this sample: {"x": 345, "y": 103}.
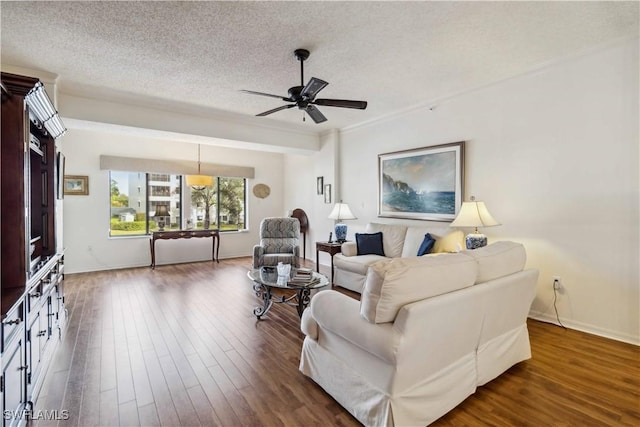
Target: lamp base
{"x": 341, "y": 232}
{"x": 476, "y": 240}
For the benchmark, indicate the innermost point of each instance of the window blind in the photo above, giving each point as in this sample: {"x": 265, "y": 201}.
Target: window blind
{"x": 177, "y": 167}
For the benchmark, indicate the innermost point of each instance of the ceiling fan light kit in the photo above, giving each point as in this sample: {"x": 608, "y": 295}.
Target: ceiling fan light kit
{"x": 304, "y": 96}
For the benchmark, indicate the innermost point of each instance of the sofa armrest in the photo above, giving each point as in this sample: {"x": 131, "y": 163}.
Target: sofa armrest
{"x": 340, "y": 315}
{"x": 349, "y": 249}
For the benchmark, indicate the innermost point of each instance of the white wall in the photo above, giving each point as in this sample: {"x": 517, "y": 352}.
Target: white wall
{"x": 86, "y": 218}
{"x": 301, "y": 190}
{"x": 554, "y": 154}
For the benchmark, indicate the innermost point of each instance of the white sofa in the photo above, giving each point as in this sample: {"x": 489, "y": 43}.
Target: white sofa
{"x": 427, "y": 332}
{"x": 399, "y": 241}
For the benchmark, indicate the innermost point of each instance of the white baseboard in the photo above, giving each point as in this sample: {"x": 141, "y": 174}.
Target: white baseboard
{"x": 584, "y": 327}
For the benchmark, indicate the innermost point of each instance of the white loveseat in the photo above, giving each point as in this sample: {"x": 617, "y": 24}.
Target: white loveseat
{"x": 427, "y": 332}
{"x": 398, "y": 241}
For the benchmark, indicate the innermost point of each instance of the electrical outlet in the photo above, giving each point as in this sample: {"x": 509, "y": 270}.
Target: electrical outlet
{"x": 557, "y": 283}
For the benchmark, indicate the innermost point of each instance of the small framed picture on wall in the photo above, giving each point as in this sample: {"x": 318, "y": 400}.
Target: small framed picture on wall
{"x": 76, "y": 185}
{"x": 327, "y": 193}
{"x": 319, "y": 185}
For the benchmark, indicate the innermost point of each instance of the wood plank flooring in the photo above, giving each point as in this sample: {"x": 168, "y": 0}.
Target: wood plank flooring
{"x": 180, "y": 346}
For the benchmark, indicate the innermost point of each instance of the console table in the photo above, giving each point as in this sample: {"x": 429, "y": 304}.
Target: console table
{"x": 185, "y": 234}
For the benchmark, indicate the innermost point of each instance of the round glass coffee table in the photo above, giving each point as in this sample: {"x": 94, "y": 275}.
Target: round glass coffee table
{"x": 266, "y": 278}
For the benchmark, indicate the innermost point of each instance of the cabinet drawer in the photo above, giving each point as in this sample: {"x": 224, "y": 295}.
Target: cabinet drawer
{"x": 12, "y": 324}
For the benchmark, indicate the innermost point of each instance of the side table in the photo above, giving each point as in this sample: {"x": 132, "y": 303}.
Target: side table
{"x": 331, "y": 248}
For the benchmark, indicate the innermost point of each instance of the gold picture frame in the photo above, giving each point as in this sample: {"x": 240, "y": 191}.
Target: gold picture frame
{"x": 76, "y": 185}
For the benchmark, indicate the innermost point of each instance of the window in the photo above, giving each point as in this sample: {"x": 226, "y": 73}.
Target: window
{"x": 135, "y": 197}
{"x": 134, "y": 200}
{"x": 221, "y": 205}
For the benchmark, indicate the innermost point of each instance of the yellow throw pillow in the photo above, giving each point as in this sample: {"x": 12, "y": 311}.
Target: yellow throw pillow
{"x": 452, "y": 242}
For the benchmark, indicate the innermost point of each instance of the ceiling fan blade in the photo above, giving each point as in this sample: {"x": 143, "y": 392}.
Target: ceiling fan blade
{"x": 343, "y": 103}
{"x": 253, "y": 92}
{"x": 312, "y": 88}
{"x": 284, "y": 107}
{"x": 315, "y": 114}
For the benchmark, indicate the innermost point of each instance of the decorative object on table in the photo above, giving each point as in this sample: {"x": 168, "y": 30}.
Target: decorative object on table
{"x": 76, "y": 185}
{"x": 162, "y": 212}
{"x": 320, "y": 185}
{"x": 330, "y": 237}
{"x": 327, "y": 193}
{"x": 474, "y": 214}
{"x": 303, "y": 96}
{"x": 199, "y": 180}
{"x": 304, "y": 226}
{"x": 424, "y": 183}
{"x": 261, "y": 191}
{"x": 279, "y": 242}
{"x": 340, "y": 212}
{"x": 283, "y": 269}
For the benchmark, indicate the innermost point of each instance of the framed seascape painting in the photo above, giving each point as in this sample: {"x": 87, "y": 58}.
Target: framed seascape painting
{"x": 424, "y": 183}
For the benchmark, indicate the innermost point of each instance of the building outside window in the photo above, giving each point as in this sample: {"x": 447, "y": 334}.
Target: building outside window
{"x": 136, "y": 195}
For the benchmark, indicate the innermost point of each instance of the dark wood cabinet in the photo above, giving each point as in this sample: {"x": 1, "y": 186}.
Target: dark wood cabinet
{"x": 31, "y": 267}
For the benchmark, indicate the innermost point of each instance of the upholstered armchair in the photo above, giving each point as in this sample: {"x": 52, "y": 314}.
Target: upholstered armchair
{"x": 279, "y": 240}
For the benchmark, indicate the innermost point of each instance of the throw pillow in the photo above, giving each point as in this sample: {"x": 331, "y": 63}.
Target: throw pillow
{"x": 452, "y": 242}
{"x": 426, "y": 245}
{"x": 369, "y": 243}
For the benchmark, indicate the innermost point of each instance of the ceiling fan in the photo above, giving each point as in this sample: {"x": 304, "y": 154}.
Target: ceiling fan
{"x": 304, "y": 96}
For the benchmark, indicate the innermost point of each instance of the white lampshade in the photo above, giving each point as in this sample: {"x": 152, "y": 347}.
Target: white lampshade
{"x": 474, "y": 214}
{"x": 341, "y": 211}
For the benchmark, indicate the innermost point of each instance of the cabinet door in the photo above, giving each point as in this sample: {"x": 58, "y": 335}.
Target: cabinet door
{"x": 14, "y": 391}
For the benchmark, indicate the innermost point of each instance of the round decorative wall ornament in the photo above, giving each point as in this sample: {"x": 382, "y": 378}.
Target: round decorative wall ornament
{"x": 261, "y": 191}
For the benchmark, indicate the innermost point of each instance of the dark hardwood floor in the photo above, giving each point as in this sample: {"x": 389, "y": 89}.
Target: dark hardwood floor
{"x": 179, "y": 345}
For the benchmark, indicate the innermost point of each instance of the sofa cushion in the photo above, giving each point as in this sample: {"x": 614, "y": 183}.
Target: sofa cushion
{"x": 392, "y": 284}
{"x": 369, "y": 243}
{"x": 498, "y": 259}
{"x": 427, "y": 245}
{"x": 356, "y": 264}
{"x": 392, "y": 237}
{"x": 451, "y": 242}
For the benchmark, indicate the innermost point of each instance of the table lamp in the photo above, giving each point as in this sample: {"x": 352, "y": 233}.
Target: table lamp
{"x": 474, "y": 214}
{"x": 162, "y": 212}
{"x": 341, "y": 212}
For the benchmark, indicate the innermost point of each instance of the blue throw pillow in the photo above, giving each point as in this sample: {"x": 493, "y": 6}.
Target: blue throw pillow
{"x": 369, "y": 243}
{"x": 427, "y": 245}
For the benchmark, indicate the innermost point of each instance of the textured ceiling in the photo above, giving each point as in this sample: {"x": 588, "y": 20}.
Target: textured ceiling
{"x": 392, "y": 54}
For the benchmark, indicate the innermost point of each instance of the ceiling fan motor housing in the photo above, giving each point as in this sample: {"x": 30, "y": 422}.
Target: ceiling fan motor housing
{"x": 301, "y": 54}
